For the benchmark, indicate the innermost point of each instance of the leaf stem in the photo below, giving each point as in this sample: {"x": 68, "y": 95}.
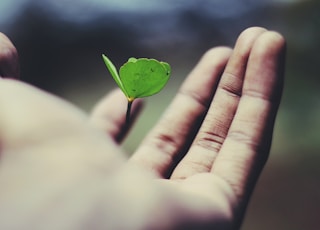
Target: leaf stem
{"x": 128, "y": 112}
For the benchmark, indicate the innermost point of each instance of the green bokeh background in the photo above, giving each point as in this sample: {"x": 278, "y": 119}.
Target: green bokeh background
{"x": 63, "y": 55}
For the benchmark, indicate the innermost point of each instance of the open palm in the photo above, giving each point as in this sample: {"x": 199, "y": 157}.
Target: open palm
{"x": 195, "y": 169}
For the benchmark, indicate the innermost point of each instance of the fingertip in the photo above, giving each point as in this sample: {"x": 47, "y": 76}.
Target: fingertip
{"x": 251, "y": 31}
{"x": 278, "y": 38}
{"x": 9, "y": 64}
{"x": 212, "y": 58}
{"x": 246, "y": 39}
{"x": 270, "y": 42}
{"x": 109, "y": 114}
{"x": 220, "y": 51}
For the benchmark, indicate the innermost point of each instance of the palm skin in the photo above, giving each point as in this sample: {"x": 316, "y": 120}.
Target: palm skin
{"x": 61, "y": 168}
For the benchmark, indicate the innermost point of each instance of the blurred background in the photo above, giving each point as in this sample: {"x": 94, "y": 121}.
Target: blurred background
{"x": 60, "y": 43}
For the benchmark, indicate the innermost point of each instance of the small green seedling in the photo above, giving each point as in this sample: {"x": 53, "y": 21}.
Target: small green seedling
{"x": 139, "y": 78}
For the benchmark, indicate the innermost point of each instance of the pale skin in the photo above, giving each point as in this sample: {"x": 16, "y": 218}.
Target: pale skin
{"x": 196, "y": 169}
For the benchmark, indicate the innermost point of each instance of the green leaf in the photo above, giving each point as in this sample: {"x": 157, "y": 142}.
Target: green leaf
{"x": 144, "y": 77}
{"x": 167, "y": 67}
{"x": 139, "y": 78}
{"x": 132, "y": 59}
{"x": 114, "y": 73}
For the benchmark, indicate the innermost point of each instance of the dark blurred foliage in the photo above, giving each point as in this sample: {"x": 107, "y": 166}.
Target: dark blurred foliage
{"x": 61, "y": 53}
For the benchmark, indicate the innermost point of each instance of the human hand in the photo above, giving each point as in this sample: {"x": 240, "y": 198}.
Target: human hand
{"x": 206, "y": 152}
{"x": 215, "y": 142}
{"x": 215, "y": 137}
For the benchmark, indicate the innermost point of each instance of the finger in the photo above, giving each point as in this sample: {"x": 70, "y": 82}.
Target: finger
{"x": 9, "y": 64}
{"x": 109, "y": 114}
{"x": 218, "y": 119}
{"x": 174, "y": 133}
{"x": 247, "y": 145}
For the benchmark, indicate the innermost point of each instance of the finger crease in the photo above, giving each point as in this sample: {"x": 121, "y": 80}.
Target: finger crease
{"x": 211, "y": 141}
{"x": 231, "y": 84}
